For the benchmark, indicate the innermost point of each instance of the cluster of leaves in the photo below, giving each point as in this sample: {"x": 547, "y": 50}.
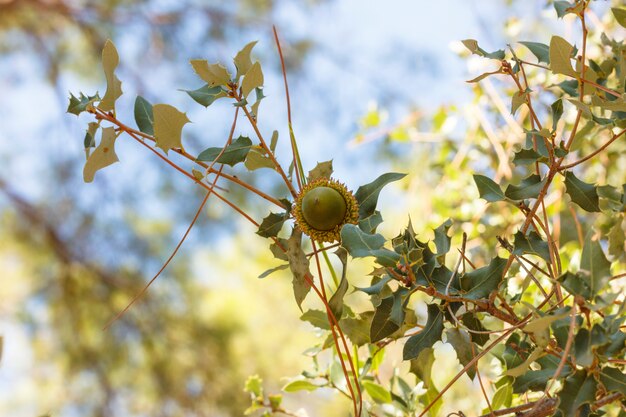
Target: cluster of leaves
{"x": 537, "y": 334}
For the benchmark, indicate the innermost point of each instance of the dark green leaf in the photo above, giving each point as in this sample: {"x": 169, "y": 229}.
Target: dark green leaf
{"x": 586, "y": 342}
{"x": 271, "y": 225}
{"x": 540, "y": 50}
{"x": 367, "y": 195}
{"x": 488, "y": 189}
{"x": 528, "y": 188}
{"x": 382, "y": 323}
{"x": 299, "y": 265}
{"x": 317, "y": 318}
{"x": 613, "y": 380}
{"x": 526, "y": 156}
{"x": 422, "y": 365}
{"x": 144, "y": 116}
{"x": 234, "y": 153}
{"x": 594, "y": 261}
{"x": 481, "y": 282}
{"x": 336, "y": 301}
{"x": 533, "y": 243}
{"x": 279, "y": 251}
{"x": 460, "y": 341}
{"x": 90, "y": 135}
{"x": 206, "y": 95}
{"x": 557, "y": 112}
{"x": 578, "y": 389}
{"x": 472, "y": 323}
{"x": 321, "y": 170}
{"x": 376, "y": 288}
{"x": 442, "y": 240}
{"x": 78, "y": 105}
{"x": 370, "y": 223}
{"x": 430, "y": 334}
{"x": 272, "y": 270}
{"x": 360, "y": 245}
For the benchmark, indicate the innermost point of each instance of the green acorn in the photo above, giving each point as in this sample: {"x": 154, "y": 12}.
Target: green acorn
{"x": 323, "y": 207}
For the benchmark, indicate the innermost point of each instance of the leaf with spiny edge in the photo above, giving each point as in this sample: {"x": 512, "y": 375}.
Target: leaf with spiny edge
{"x": 110, "y": 61}
{"x": 212, "y": 74}
{"x": 79, "y": 104}
{"x": 242, "y": 60}
{"x": 168, "y": 126}
{"x": 430, "y": 334}
{"x": 481, "y": 282}
{"x": 473, "y": 47}
{"x": 321, "y": 170}
{"x": 560, "y": 57}
{"x": 583, "y": 194}
{"x": 103, "y": 156}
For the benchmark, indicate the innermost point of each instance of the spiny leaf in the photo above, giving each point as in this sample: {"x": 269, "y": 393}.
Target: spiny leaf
{"x": 144, "y": 116}
{"x": 472, "y": 45}
{"x": 271, "y": 225}
{"x": 560, "y": 54}
{"x": 252, "y": 79}
{"x": 357, "y": 330}
{"x": 367, "y": 195}
{"x": 557, "y": 112}
{"x": 79, "y": 104}
{"x": 427, "y": 337}
{"x": 460, "y": 341}
{"x": 234, "y": 153}
{"x": 582, "y": 193}
{"x": 168, "y": 126}
{"x": 103, "y": 156}
{"x": 206, "y": 94}
{"x": 360, "y": 245}
{"x": 488, "y": 189}
{"x": 578, "y": 389}
{"x": 110, "y": 61}
{"x": 540, "y": 50}
{"x": 317, "y": 318}
{"x": 321, "y": 170}
{"x": 336, "y": 301}
{"x": 442, "y": 240}
{"x": 532, "y": 243}
{"x": 212, "y": 74}
{"x": 299, "y": 265}
{"x": 370, "y": 223}
{"x": 254, "y": 385}
{"x": 528, "y": 188}
{"x": 613, "y": 380}
{"x": 594, "y": 261}
{"x": 527, "y": 156}
{"x": 519, "y": 98}
{"x": 242, "y": 60}
{"x": 256, "y": 159}
{"x": 422, "y": 365}
{"x": 481, "y": 282}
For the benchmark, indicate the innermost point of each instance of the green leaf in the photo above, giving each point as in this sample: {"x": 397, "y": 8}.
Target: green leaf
{"x": 578, "y": 389}
{"x": 168, "y": 126}
{"x": 527, "y": 156}
{"x": 274, "y": 141}
{"x": 586, "y": 342}
{"x": 560, "y": 55}
{"x": 428, "y": 336}
{"x": 367, "y": 195}
{"x": 252, "y": 79}
{"x": 300, "y": 385}
{"x": 272, "y": 270}
{"x": 242, "y": 60}
{"x": 299, "y": 265}
{"x": 533, "y": 244}
{"x": 259, "y": 96}
{"x": 256, "y": 159}
{"x": 488, "y": 189}
{"x": 620, "y": 16}
{"x": 481, "y": 282}
{"x": 357, "y": 330}
{"x": 532, "y": 381}
{"x": 519, "y": 98}
{"x": 79, "y": 104}
{"x": 376, "y": 288}
{"x": 473, "y": 47}
{"x": 562, "y": 7}
{"x": 370, "y": 223}
{"x": 557, "y": 112}
{"x": 442, "y": 240}
{"x": 336, "y": 301}
{"x": 103, "y": 156}
{"x": 144, "y": 116}
{"x": 460, "y": 341}
{"x": 321, "y": 170}
{"x": 110, "y": 61}
{"x": 540, "y": 50}
{"x": 378, "y": 393}
{"x": 582, "y": 193}
{"x": 361, "y": 245}
{"x": 90, "y": 135}
{"x": 594, "y": 261}
{"x": 528, "y": 188}
{"x": 616, "y": 240}
{"x": 502, "y": 397}
{"x": 317, "y": 318}
{"x": 212, "y": 74}
{"x": 206, "y": 95}
{"x": 271, "y": 225}
{"x": 613, "y": 380}
{"x": 423, "y": 364}
{"x": 234, "y": 153}
{"x": 473, "y": 323}
{"x": 385, "y": 322}
{"x": 254, "y": 385}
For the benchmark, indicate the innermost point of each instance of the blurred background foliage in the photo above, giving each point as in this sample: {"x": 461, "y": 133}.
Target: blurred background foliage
{"x": 72, "y": 255}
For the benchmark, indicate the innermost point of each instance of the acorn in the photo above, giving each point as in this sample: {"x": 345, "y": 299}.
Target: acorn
{"x": 323, "y": 207}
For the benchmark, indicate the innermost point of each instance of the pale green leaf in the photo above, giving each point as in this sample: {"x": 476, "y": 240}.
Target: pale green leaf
{"x": 168, "y": 126}
{"x": 252, "y": 79}
{"x": 212, "y": 74}
{"x": 110, "y": 61}
{"x": 300, "y": 385}
{"x": 242, "y": 60}
{"x": 377, "y": 392}
{"x": 560, "y": 57}
{"x": 256, "y": 159}
{"x": 103, "y": 156}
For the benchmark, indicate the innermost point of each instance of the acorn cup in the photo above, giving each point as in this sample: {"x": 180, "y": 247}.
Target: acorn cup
{"x": 323, "y": 207}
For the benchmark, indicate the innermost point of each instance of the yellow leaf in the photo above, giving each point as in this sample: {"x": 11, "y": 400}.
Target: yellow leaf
{"x": 103, "y": 156}
{"x": 213, "y": 74}
{"x": 168, "y": 126}
{"x": 252, "y": 80}
{"x": 110, "y": 61}
{"x": 560, "y": 53}
{"x": 242, "y": 60}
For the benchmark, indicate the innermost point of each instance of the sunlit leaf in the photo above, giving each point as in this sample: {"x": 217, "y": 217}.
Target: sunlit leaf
{"x": 360, "y": 245}
{"x": 528, "y": 188}
{"x": 317, "y": 318}
{"x": 518, "y": 98}
{"x": 488, "y": 189}
{"x": 540, "y": 50}
{"x": 252, "y": 79}
{"x": 144, "y": 116}
{"x": 103, "y": 156}
{"x": 300, "y": 385}
{"x": 254, "y": 385}
{"x": 168, "y": 126}
{"x": 212, "y": 74}
{"x": 110, "y": 61}
{"x": 256, "y": 159}
{"x": 357, "y": 330}
{"x": 430, "y": 334}
{"x": 321, "y": 170}
{"x": 242, "y": 60}
{"x": 620, "y": 16}
{"x": 473, "y": 47}
{"x": 378, "y": 393}
{"x": 560, "y": 57}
